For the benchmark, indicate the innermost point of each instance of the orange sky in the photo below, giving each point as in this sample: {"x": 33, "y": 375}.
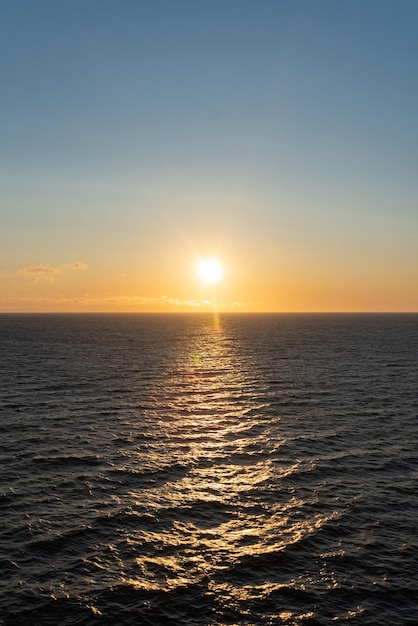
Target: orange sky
{"x": 281, "y": 138}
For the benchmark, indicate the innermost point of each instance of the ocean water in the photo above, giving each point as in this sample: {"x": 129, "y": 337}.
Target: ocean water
{"x": 195, "y": 470}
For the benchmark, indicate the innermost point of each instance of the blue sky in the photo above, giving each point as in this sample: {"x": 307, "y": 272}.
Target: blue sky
{"x": 282, "y": 131}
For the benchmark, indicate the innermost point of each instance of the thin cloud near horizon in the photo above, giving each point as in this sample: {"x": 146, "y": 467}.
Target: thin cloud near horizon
{"x": 131, "y": 301}
{"x": 44, "y": 272}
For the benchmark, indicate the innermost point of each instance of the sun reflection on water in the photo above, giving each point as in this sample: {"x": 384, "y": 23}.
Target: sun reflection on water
{"x": 213, "y": 501}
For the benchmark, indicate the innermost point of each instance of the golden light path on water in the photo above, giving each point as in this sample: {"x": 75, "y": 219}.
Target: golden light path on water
{"x": 215, "y": 501}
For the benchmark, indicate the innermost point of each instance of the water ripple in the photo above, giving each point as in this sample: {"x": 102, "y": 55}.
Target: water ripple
{"x": 166, "y": 470}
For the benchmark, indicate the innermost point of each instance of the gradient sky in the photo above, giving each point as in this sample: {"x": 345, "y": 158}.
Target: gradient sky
{"x": 137, "y": 136}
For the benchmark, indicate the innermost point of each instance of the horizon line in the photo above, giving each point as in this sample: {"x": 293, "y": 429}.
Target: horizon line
{"x": 360, "y": 312}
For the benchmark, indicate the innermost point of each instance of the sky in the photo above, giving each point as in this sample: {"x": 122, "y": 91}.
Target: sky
{"x": 138, "y": 137}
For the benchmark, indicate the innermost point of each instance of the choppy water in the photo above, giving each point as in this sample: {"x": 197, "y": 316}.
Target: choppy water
{"x": 175, "y": 470}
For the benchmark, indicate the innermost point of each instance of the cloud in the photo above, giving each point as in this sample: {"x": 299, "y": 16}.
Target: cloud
{"x": 119, "y": 303}
{"x": 75, "y": 266}
{"x": 164, "y": 302}
{"x": 40, "y": 273}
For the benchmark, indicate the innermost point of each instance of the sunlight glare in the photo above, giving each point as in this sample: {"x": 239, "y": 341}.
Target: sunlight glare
{"x": 209, "y": 270}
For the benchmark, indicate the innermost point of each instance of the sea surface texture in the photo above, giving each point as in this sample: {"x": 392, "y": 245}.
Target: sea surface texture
{"x": 191, "y": 470}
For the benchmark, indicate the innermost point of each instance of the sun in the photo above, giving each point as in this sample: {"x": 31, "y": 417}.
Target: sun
{"x": 209, "y": 270}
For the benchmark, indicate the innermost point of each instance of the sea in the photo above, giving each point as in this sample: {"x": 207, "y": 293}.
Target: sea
{"x": 205, "y": 469}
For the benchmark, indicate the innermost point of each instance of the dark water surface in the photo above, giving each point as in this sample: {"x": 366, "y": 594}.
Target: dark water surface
{"x": 167, "y": 469}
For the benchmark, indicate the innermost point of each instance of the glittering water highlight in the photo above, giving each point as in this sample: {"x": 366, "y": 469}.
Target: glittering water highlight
{"x": 181, "y": 469}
